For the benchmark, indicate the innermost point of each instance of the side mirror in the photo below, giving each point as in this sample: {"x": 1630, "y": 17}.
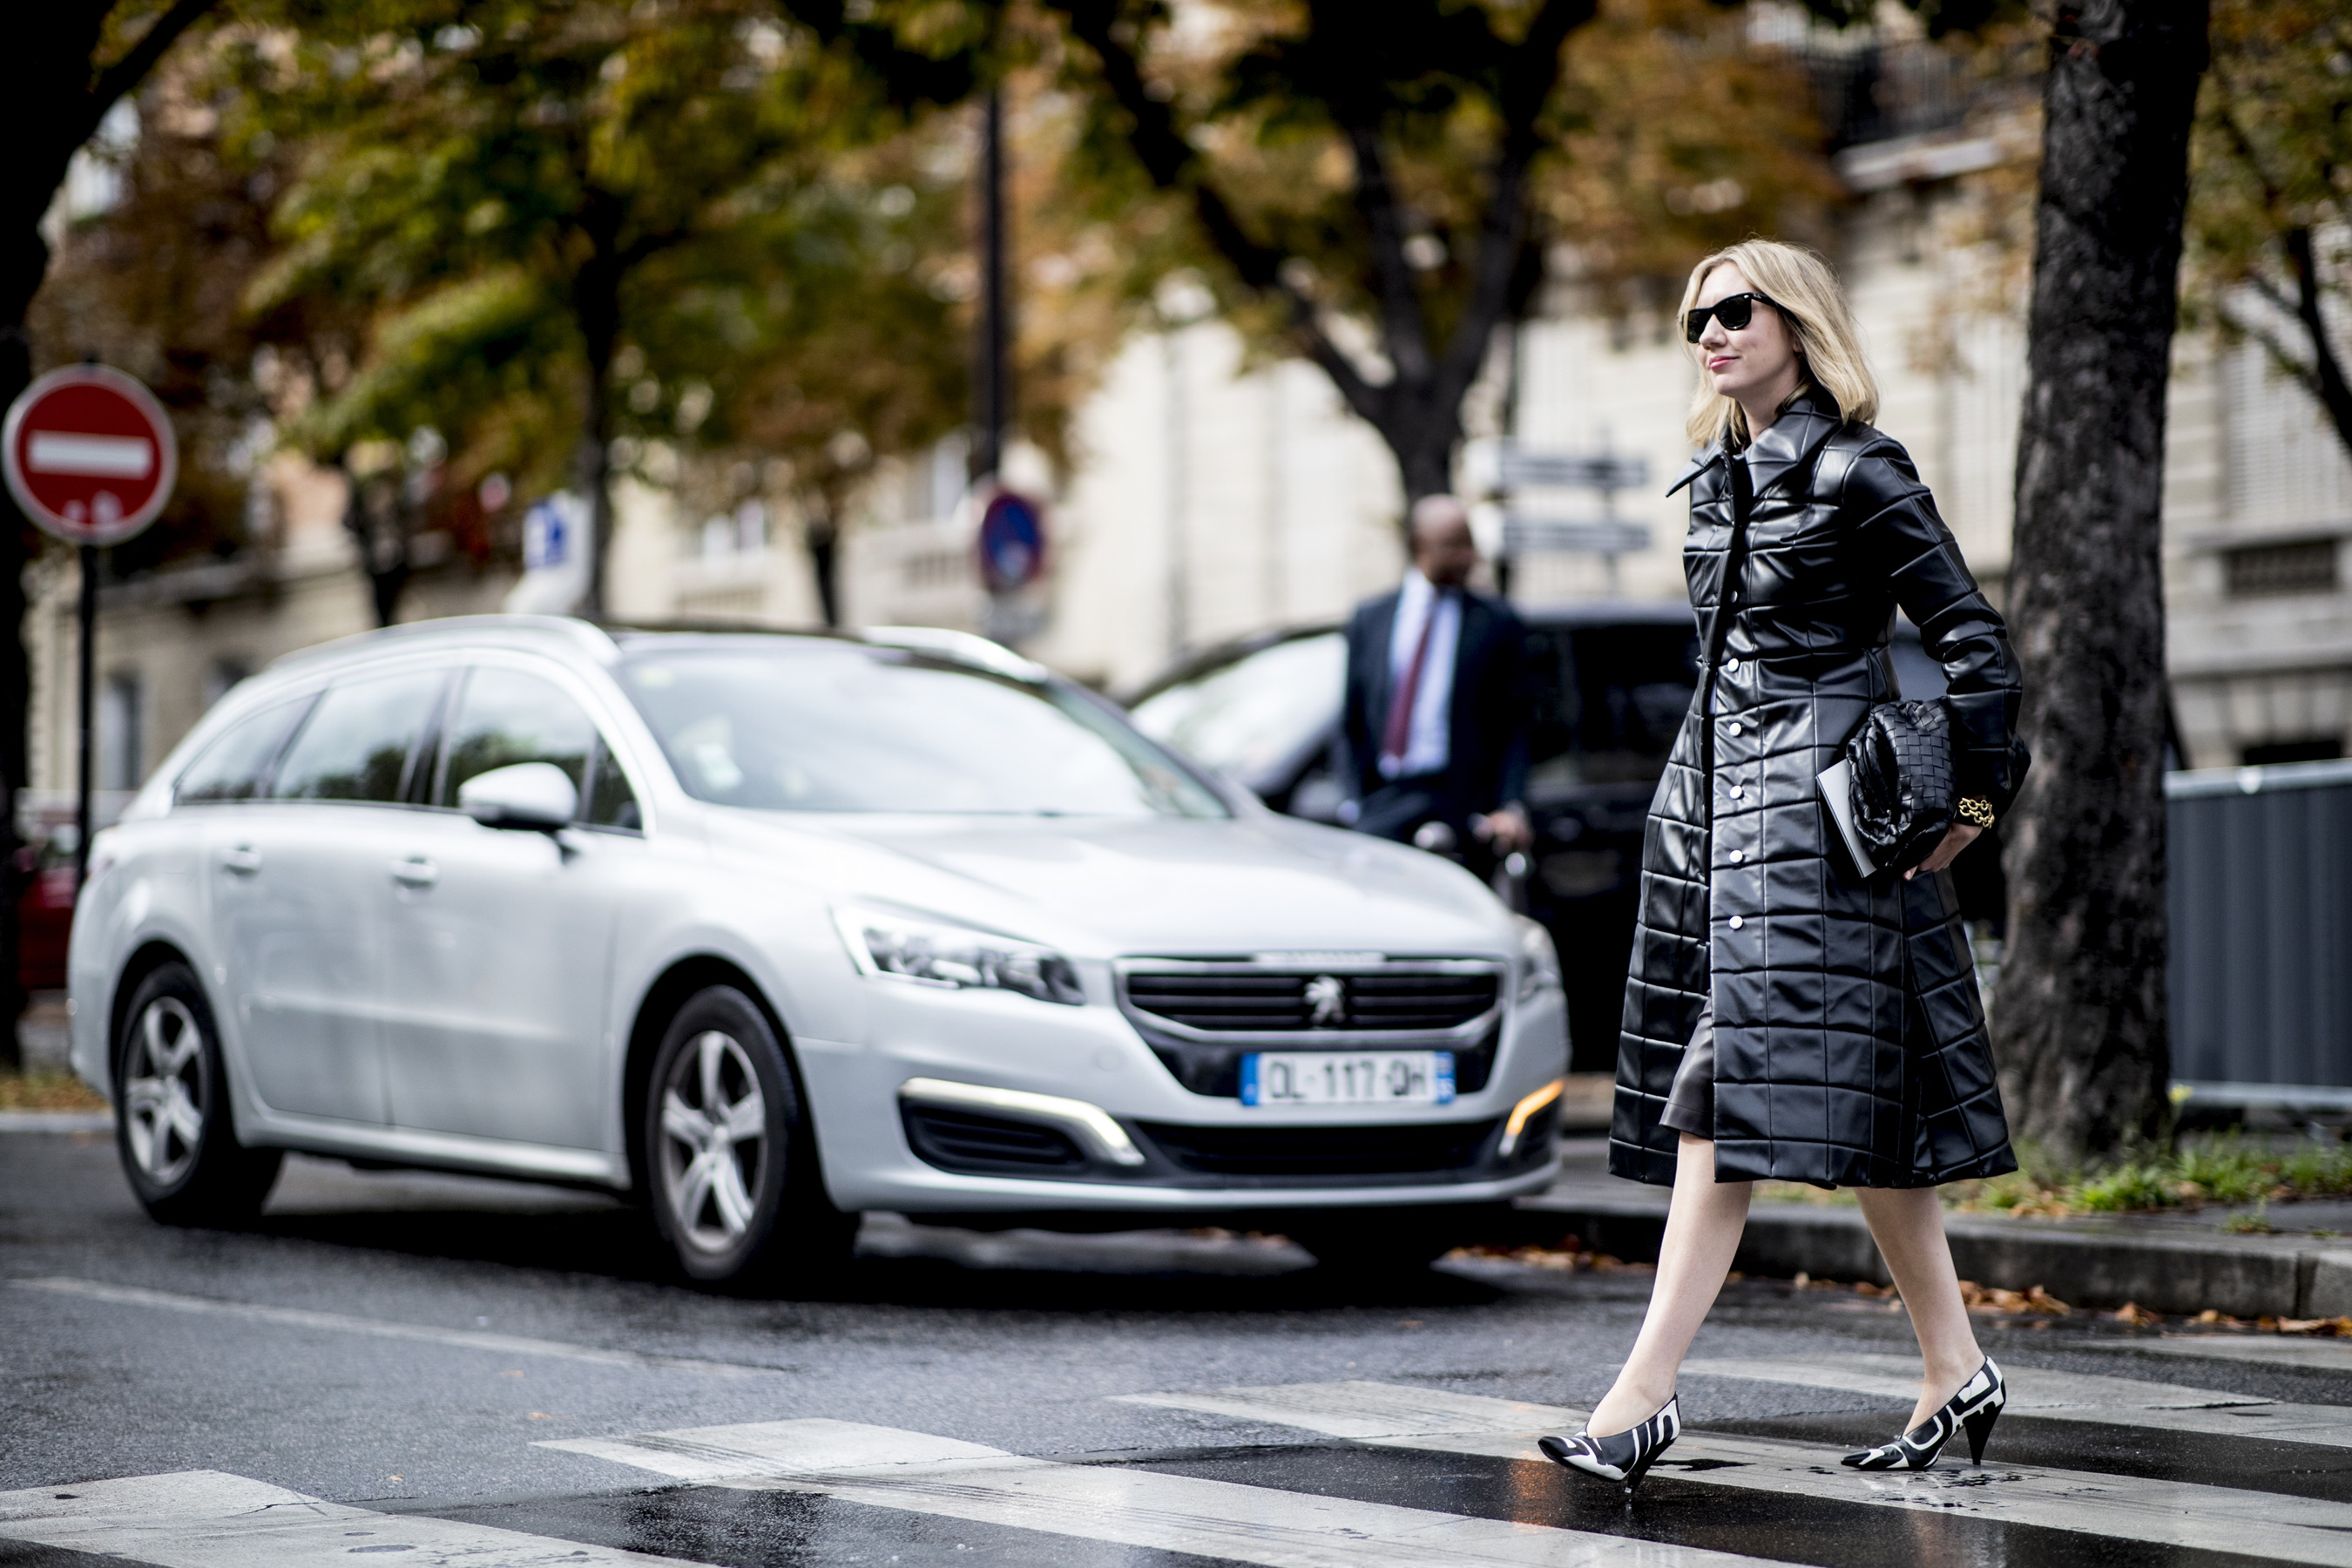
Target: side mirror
{"x": 535, "y": 798}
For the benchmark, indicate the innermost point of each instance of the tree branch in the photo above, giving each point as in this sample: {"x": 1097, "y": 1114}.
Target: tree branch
{"x": 1405, "y": 329}
{"x": 1174, "y": 164}
{"x": 127, "y": 73}
{"x": 2327, "y": 371}
{"x": 1530, "y": 74}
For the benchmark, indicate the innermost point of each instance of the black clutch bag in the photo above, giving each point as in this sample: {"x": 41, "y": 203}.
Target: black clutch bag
{"x": 1892, "y": 790}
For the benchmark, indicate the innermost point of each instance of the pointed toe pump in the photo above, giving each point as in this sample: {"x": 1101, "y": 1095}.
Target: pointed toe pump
{"x": 1973, "y": 1409}
{"x": 1621, "y": 1457}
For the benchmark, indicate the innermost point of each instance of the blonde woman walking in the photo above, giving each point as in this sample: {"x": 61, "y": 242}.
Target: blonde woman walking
{"x": 1786, "y": 1016}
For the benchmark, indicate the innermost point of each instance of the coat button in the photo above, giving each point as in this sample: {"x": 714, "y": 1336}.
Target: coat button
{"x": 1735, "y": 726}
{"x": 1736, "y": 923}
{"x": 1738, "y": 855}
{"x": 1737, "y": 792}
{"x": 1731, "y": 666}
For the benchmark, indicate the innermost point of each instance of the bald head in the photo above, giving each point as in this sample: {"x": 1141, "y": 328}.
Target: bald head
{"x": 1443, "y": 549}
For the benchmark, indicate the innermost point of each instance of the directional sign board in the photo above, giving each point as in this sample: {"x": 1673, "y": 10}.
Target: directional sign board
{"x": 88, "y": 454}
{"x": 1571, "y": 471}
{"x": 1598, "y": 536}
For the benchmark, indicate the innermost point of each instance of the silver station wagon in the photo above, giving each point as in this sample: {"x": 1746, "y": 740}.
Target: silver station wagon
{"x": 767, "y": 930}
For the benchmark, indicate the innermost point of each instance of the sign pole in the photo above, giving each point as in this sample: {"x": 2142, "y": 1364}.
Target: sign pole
{"x": 89, "y": 660}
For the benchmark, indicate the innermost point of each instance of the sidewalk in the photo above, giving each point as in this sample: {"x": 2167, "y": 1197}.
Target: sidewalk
{"x": 2176, "y": 1261}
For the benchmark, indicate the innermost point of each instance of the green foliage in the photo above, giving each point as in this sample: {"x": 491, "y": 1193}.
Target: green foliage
{"x": 2211, "y": 1168}
{"x": 565, "y": 223}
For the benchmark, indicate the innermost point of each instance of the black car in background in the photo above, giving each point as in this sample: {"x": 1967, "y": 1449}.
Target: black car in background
{"x": 1610, "y": 684}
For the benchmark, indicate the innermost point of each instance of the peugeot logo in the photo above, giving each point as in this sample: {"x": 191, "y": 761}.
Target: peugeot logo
{"x": 1328, "y": 996}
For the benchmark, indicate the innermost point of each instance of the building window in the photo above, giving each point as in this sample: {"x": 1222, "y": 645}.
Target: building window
{"x": 2304, "y": 566}
{"x": 119, "y": 714}
{"x": 2322, "y": 749}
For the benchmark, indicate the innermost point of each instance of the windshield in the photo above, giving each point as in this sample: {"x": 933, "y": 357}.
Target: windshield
{"x": 1256, "y": 713}
{"x": 817, "y": 726}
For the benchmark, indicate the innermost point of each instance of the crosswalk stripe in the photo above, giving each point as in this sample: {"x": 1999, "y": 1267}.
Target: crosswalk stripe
{"x": 2169, "y": 1513}
{"x": 204, "y": 1519}
{"x": 886, "y": 1467}
{"x": 2321, "y": 1355}
{"x": 342, "y": 1323}
{"x": 2068, "y": 1397}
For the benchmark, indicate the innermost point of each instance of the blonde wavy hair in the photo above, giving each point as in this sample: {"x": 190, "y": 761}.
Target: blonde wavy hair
{"x": 1813, "y": 302}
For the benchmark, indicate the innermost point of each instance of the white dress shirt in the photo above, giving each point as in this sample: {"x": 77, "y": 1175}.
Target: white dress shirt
{"x": 1427, "y": 744}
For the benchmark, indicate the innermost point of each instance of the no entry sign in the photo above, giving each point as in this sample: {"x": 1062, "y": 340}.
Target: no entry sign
{"x": 88, "y": 454}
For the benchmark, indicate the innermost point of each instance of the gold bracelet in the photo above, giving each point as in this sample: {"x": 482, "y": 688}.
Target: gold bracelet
{"x": 1974, "y": 809}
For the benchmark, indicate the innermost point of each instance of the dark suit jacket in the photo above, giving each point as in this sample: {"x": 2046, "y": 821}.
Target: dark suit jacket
{"x": 1486, "y": 759}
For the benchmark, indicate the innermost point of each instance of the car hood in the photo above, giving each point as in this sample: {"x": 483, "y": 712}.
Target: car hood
{"x": 1104, "y": 887}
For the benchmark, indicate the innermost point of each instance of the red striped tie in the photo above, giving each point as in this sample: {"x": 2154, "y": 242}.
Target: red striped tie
{"x": 1398, "y": 734}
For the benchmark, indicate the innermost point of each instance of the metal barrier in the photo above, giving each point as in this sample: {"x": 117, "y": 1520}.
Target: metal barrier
{"x": 2260, "y": 906}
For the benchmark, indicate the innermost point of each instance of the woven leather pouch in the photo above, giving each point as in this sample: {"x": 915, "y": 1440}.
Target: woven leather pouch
{"x": 1904, "y": 787}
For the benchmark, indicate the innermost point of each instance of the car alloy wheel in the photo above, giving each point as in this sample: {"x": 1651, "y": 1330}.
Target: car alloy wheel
{"x": 173, "y": 1124}
{"x": 714, "y": 1142}
{"x": 729, "y": 1153}
{"x": 165, "y": 1088}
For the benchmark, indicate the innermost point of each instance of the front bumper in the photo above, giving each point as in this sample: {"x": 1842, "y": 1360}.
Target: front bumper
{"x": 940, "y": 1114}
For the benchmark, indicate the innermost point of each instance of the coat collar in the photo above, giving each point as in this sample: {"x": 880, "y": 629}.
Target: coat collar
{"x": 1792, "y": 438}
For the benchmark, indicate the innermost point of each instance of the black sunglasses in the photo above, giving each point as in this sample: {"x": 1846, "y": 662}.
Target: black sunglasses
{"x": 1734, "y": 310}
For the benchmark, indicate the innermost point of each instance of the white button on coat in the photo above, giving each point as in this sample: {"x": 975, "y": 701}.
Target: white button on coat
{"x": 1736, "y": 923}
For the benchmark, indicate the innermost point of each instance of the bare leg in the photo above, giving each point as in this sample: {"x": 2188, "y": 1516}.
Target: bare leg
{"x": 1907, "y": 1223}
{"x": 1702, "y": 1235}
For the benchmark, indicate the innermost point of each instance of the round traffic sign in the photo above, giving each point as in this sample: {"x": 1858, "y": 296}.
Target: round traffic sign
{"x": 1012, "y": 541}
{"x": 88, "y": 454}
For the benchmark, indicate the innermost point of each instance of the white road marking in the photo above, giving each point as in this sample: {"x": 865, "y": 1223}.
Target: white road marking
{"x": 884, "y": 1467}
{"x": 338, "y": 1322}
{"x": 2325, "y": 1355}
{"x": 2069, "y": 1396}
{"x": 204, "y": 1518}
{"x": 2122, "y": 1508}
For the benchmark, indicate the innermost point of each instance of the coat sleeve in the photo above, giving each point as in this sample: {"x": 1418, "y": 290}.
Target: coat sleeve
{"x": 1894, "y": 525}
{"x": 1515, "y": 713}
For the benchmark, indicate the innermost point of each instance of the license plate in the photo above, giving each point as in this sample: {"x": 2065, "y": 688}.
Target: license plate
{"x": 1348, "y": 1077}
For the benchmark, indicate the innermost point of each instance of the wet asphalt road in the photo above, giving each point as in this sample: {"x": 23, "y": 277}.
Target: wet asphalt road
{"x": 405, "y": 1344}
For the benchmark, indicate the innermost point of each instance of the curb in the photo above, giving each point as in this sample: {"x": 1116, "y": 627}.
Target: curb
{"x": 57, "y": 1121}
{"x": 2244, "y": 1277}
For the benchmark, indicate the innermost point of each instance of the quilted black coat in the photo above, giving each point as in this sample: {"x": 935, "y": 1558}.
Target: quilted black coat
{"x": 1850, "y": 1047}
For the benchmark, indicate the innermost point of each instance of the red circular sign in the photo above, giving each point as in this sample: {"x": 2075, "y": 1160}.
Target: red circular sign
{"x": 88, "y": 454}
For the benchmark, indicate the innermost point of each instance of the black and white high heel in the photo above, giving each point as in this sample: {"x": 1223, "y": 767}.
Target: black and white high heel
{"x": 1623, "y": 1457}
{"x": 1973, "y": 1409}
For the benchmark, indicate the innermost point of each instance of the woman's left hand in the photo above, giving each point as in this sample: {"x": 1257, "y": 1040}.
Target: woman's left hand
{"x": 1957, "y": 838}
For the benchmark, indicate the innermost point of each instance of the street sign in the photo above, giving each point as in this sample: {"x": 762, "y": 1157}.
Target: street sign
{"x": 1599, "y": 536}
{"x": 1012, "y": 541}
{"x": 89, "y": 454}
{"x": 1570, "y": 470}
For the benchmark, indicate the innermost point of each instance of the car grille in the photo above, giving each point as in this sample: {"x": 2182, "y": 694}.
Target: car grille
{"x": 966, "y": 1140}
{"x": 1300, "y": 1151}
{"x": 1248, "y": 999}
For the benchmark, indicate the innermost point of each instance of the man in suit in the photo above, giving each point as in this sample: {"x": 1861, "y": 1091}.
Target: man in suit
{"x": 1436, "y": 728}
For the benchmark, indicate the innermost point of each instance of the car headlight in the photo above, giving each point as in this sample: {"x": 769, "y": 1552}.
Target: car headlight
{"x": 1538, "y": 959}
{"x": 955, "y": 957}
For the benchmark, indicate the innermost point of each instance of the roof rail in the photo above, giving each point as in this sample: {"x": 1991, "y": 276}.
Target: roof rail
{"x": 960, "y": 648}
{"x": 585, "y": 635}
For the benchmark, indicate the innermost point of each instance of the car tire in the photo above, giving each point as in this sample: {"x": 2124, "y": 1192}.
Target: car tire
{"x": 730, "y": 1159}
{"x": 172, "y": 1125}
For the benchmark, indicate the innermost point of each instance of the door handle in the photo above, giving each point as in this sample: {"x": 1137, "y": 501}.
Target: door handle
{"x": 242, "y": 861}
{"x": 415, "y": 871}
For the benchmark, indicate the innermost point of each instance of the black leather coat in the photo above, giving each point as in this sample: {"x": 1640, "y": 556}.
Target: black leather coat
{"x": 1850, "y": 1047}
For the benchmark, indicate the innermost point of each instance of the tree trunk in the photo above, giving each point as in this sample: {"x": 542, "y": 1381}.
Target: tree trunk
{"x": 823, "y": 537}
{"x": 2081, "y": 1034}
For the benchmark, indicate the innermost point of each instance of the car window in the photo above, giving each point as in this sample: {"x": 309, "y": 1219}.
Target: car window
{"x": 611, "y": 801}
{"x": 508, "y": 715}
{"x": 1609, "y": 701}
{"x": 357, "y": 742}
{"x": 838, "y": 727}
{"x": 236, "y": 765}
{"x": 1257, "y": 713}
